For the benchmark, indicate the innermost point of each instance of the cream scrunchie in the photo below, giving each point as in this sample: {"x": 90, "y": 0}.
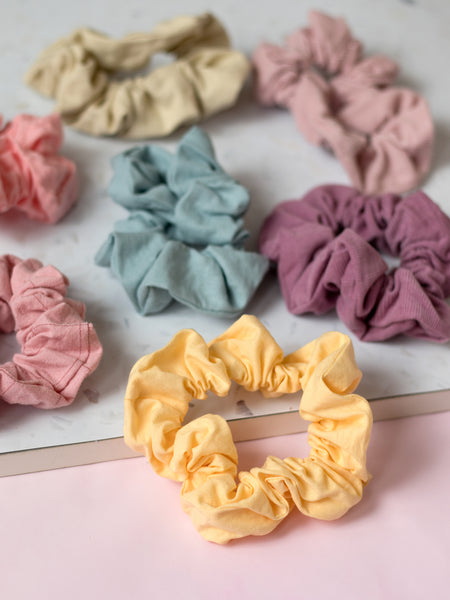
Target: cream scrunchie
{"x": 78, "y": 71}
{"x": 202, "y": 454}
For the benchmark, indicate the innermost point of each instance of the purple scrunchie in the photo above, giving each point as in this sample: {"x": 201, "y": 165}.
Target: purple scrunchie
{"x": 326, "y": 246}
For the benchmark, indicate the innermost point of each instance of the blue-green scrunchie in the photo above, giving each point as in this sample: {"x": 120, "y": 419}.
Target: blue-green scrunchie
{"x": 184, "y": 235}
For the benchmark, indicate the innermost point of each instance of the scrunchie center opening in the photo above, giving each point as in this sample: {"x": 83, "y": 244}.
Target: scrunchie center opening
{"x": 377, "y": 239}
{"x": 9, "y": 346}
{"x": 156, "y": 61}
{"x": 319, "y": 70}
{"x": 392, "y": 262}
{"x": 239, "y": 403}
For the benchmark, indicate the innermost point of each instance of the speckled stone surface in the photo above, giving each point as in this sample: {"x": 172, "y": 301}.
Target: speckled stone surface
{"x": 259, "y": 147}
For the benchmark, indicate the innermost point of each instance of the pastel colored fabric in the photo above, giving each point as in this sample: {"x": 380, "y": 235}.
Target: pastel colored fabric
{"x": 202, "y": 454}
{"x": 326, "y": 249}
{"x": 34, "y": 178}
{"x": 184, "y": 234}
{"x": 382, "y": 135}
{"x": 78, "y": 71}
{"x": 59, "y": 350}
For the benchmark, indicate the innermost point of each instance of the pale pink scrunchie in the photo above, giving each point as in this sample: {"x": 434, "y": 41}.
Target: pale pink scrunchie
{"x": 59, "y": 349}
{"x": 34, "y": 178}
{"x": 382, "y": 135}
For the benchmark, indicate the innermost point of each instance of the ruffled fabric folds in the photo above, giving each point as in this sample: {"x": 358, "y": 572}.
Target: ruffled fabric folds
{"x": 58, "y": 348}
{"x": 183, "y": 237}
{"x": 34, "y": 177}
{"x": 202, "y": 454}
{"x": 382, "y": 135}
{"x": 78, "y": 72}
{"x": 326, "y": 247}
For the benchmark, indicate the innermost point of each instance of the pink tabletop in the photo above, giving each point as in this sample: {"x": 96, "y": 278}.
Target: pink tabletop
{"x": 116, "y": 530}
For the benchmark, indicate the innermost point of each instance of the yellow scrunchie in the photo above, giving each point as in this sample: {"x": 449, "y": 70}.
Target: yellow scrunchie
{"x": 206, "y": 78}
{"x": 202, "y": 453}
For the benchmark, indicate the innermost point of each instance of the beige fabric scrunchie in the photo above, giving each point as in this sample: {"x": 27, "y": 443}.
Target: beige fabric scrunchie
{"x": 80, "y": 72}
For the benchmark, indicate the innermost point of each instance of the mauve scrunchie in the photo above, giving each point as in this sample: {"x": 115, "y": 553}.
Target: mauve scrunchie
{"x": 183, "y": 237}
{"x": 382, "y": 135}
{"x": 85, "y": 71}
{"x": 59, "y": 349}
{"x": 326, "y": 248}
{"x": 34, "y": 178}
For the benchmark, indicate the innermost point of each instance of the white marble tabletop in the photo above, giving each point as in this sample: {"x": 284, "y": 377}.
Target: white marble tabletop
{"x": 259, "y": 147}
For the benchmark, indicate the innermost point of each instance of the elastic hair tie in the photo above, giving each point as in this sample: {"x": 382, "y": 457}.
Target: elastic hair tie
{"x": 59, "y": 350}
{"x": 34, "y": 178}
{"x": 382, "y": 135}
{"x": 202, "y": 454}
{"x": 326, "y": 249}
{"x": 183, "y": 238}
{"x": 78, "y": 71}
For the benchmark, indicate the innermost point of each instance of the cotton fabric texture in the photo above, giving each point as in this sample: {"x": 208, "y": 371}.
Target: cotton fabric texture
{"x": 184, "y": 234}
{"x": 382, "y": 135}
{"x": 59, "y": 349}
{"x": 326, "y": 248}
{"x": 34, "y": 177}
{"x": 78, "y": 72}
{"x": 202, "y": 454}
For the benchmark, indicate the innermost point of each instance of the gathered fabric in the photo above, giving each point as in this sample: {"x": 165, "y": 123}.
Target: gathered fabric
{"x": 183, "y": 238}
{"x": 85, "y": 74}
{"x": 326, "y": 247}
{"x": 58, "y": 348}
{"x": 382, "y": 135}
{"x": 202, "y": 455}
{"x": 34, "y": 177}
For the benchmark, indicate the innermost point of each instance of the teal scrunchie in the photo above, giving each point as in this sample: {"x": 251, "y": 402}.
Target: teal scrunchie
{"x": 184, "y": 235}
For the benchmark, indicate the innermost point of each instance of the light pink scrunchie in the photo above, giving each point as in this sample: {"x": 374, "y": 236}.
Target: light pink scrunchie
{"x": 382, "y": 135}
{"x": 34, "y": 178}
{"x": 59, "y": 349}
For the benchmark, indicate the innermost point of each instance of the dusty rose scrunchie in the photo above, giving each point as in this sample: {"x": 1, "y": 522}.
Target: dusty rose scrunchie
{"x": 382, "y": 135}
{"x": 34, "y": 178}
{"x": 326, "y": 247}
{"x": 59, "y": 349}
